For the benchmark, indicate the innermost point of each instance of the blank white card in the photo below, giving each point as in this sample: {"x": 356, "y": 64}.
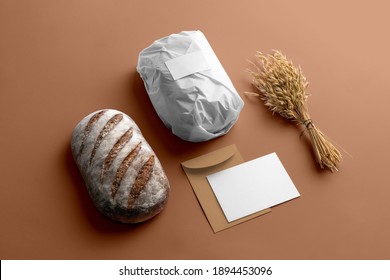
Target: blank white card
{"x": 252, "y": 186}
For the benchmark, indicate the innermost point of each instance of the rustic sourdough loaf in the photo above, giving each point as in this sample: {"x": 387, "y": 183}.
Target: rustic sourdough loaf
{"x": 123, "y": 175}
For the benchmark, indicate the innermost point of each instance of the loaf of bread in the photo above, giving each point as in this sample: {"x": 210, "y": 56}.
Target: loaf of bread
{"x": 124, "y": 177}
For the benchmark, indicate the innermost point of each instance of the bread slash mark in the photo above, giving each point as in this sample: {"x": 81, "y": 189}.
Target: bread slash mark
{"x": 110, "y": 125}
{"x": 87, "y": 129}
{"x": 118, "y": 146}
{"x": 120, "y": 173}
{"x": 141, "y": 180}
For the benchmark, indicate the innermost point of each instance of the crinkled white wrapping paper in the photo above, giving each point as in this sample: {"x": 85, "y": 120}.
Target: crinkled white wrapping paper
{"x": 188, "y": 87}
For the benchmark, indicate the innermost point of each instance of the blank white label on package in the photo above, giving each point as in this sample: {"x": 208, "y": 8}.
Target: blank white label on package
{"x": 187, "y": 64}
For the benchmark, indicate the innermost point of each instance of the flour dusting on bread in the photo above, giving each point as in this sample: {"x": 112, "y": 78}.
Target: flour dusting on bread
{"x": 123, "y": 176}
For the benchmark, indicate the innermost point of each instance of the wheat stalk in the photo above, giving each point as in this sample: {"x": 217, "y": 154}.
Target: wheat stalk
{"x": 282, "y": 87}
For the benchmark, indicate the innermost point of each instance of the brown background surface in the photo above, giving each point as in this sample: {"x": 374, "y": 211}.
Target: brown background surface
{"x": 61, "y": 60}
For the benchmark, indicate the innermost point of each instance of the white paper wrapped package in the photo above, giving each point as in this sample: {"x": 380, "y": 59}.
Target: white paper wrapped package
{"x": 188, "y": 87}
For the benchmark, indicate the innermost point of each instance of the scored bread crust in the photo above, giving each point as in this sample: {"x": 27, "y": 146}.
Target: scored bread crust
{"x": 123, "y": 175}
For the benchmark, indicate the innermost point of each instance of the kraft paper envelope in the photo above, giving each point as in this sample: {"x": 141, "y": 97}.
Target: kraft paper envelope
{"x": 198, "y": 168}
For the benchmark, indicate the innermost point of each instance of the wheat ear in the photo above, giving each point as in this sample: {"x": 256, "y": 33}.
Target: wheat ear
{"x": 282, "y": 87}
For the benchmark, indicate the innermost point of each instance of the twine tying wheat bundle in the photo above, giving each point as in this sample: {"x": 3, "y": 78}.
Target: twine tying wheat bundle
{"x": 283, "y": 89}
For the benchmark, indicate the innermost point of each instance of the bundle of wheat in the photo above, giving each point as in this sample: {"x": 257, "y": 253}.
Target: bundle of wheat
{"x": 282, "y": 86}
